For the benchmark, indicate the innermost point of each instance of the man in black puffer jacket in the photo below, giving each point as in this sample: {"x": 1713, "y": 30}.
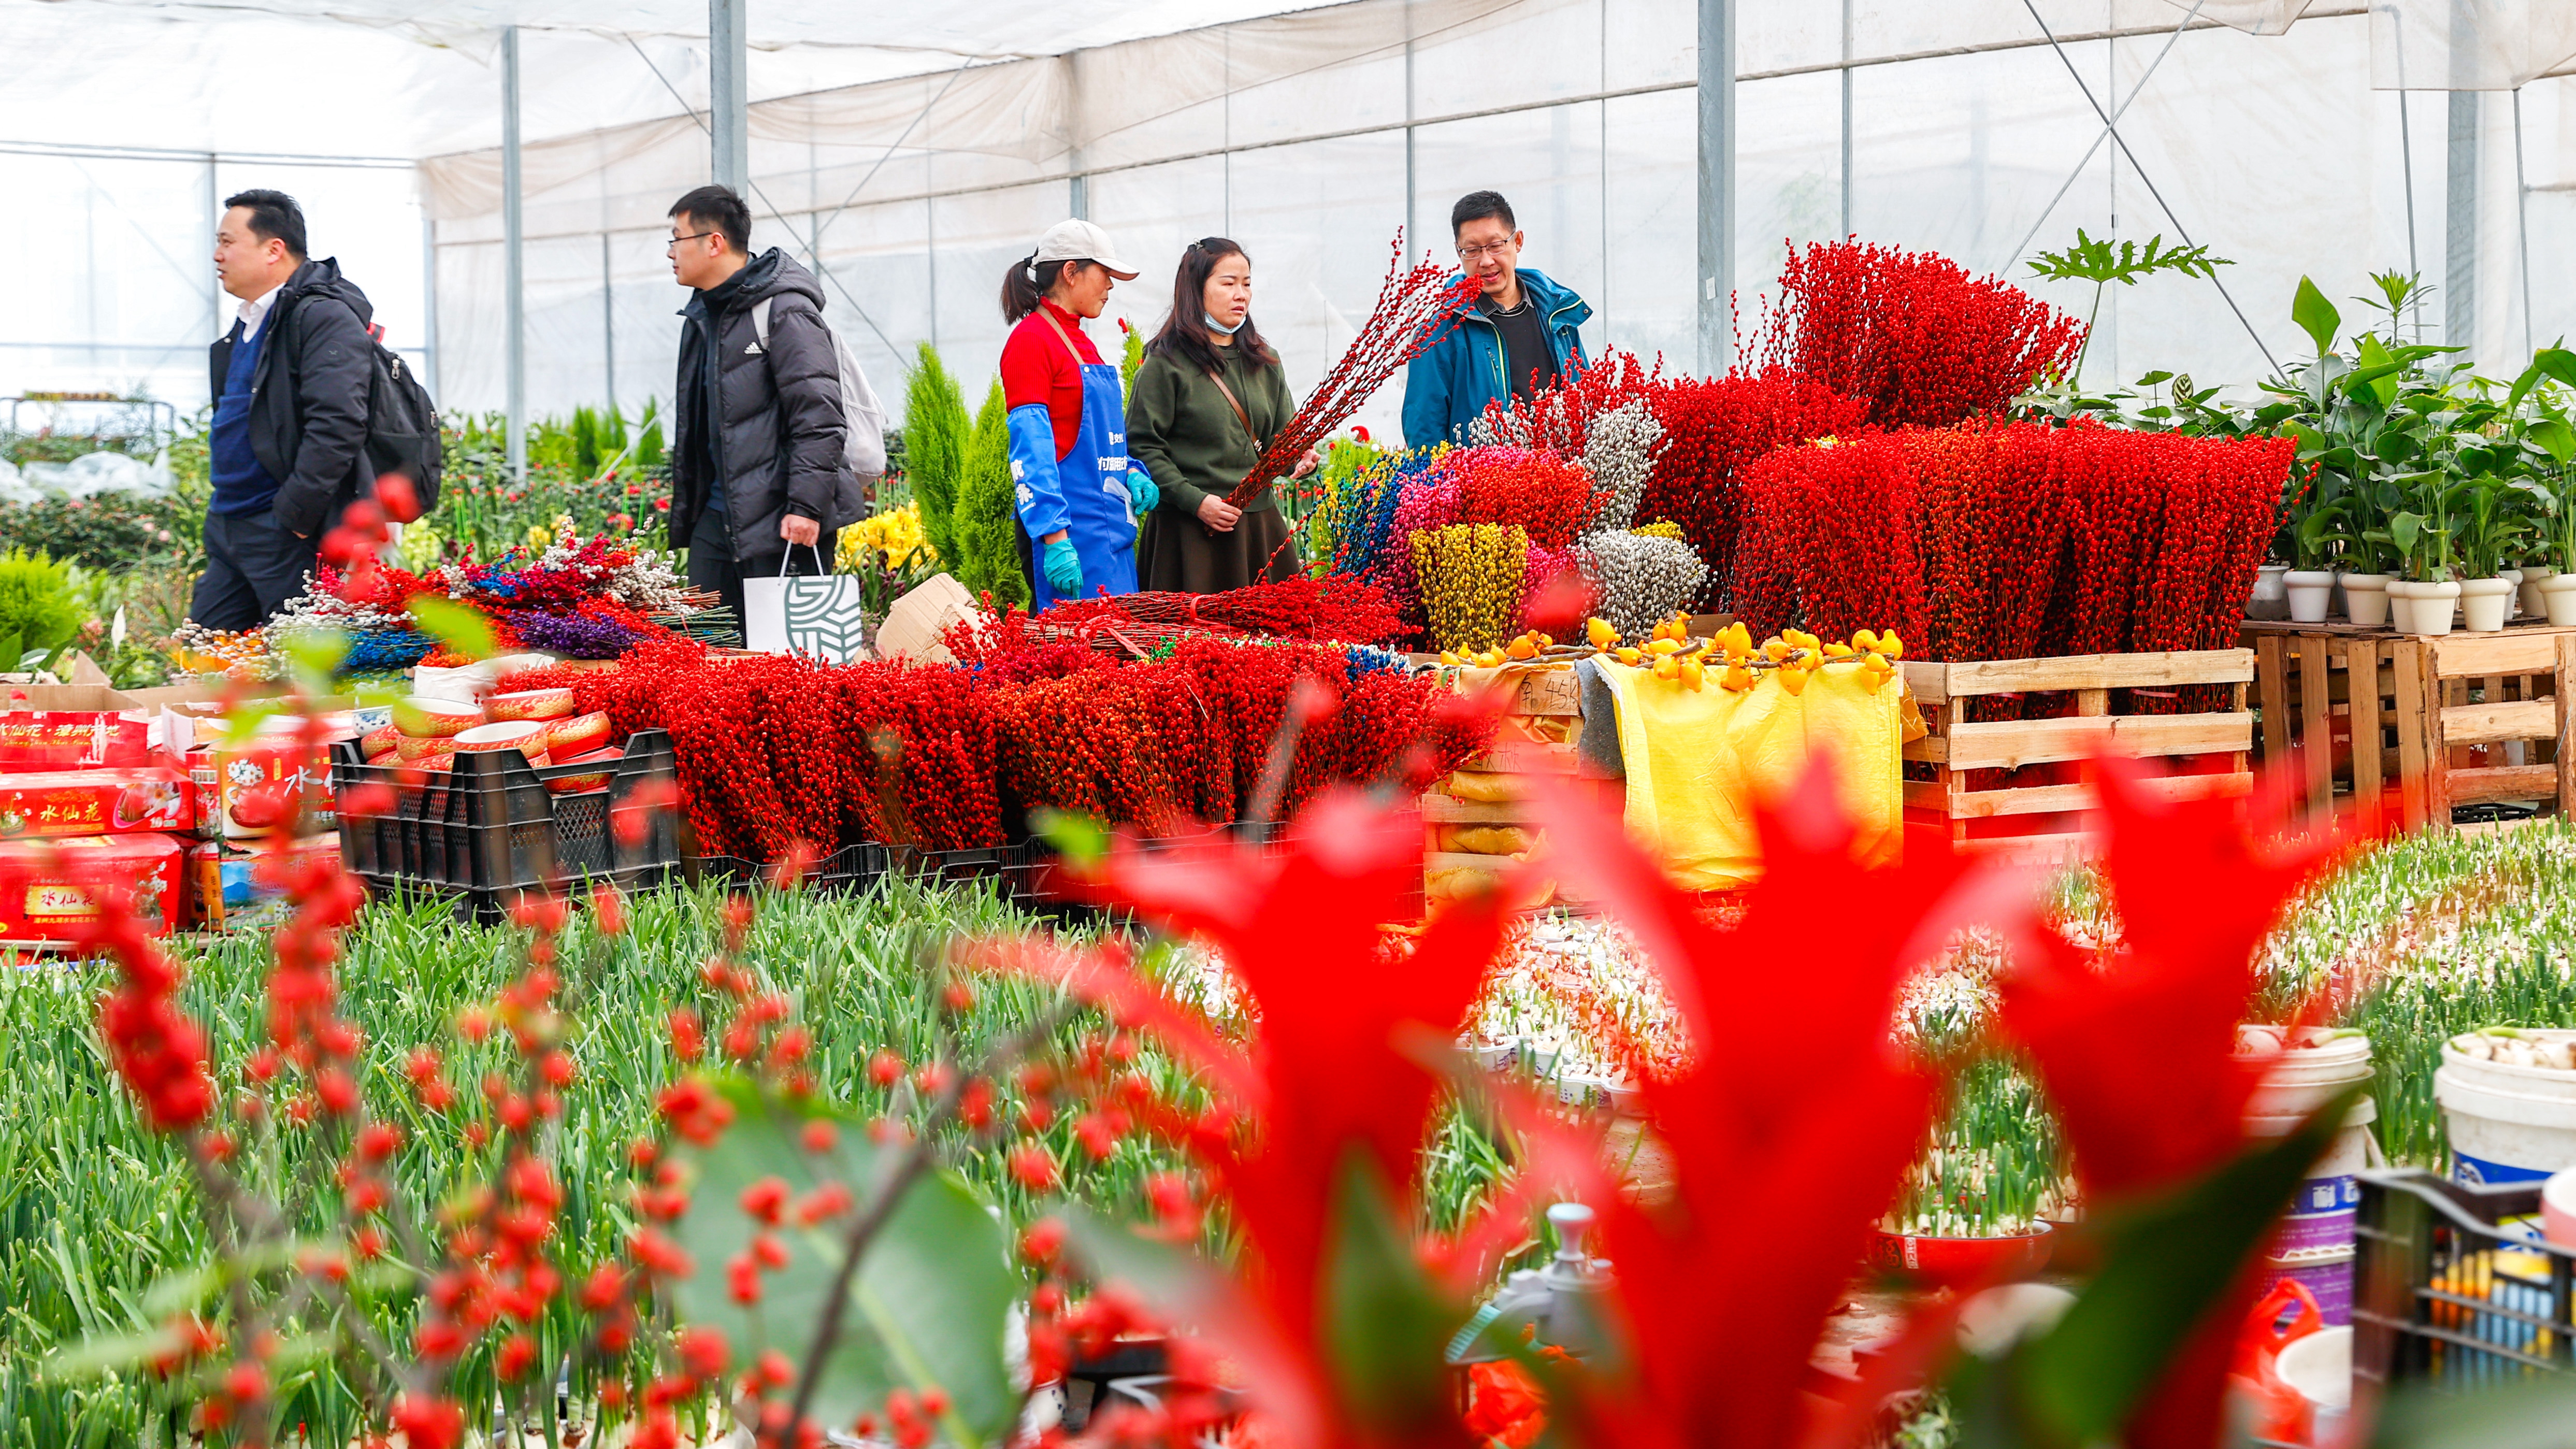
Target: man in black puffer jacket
{"x": 757, "y": 425}
{"x": 288, "y": 445}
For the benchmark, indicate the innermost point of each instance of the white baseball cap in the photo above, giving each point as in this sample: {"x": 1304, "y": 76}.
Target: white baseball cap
{"x": 1081, "y": 241}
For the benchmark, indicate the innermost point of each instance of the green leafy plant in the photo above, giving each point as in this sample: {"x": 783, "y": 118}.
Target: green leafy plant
{"x": 988, "y": 555}
{"x": 2102, "y": 264}
{"x": 40, "y": 610}
{"x": 935, "y": 430}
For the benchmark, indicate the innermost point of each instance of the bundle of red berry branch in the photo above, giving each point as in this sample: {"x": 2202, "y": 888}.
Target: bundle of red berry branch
{"x": 1926, "y": 343}
{"x": 1413, "y": 309}
{"x": 1334, "y": 608}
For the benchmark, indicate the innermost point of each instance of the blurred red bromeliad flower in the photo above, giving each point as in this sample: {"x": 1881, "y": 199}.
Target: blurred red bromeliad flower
{"x": 1788, "y": 1142}
{"x": 2138, "y": 1053}
{"x": 1304, "y": 933}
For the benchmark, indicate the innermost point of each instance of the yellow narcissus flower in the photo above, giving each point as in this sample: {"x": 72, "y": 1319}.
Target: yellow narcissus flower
{"x": 539, "y": 537}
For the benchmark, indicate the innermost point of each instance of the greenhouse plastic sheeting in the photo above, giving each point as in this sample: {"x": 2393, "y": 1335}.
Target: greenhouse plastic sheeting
{"x": 1311, "y": 135}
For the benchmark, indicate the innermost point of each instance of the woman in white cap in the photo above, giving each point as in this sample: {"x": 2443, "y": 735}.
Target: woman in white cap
{"x": 1078, "y": 496}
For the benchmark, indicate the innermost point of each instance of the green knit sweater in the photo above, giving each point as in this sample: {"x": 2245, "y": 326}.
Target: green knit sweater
{"x": 1186, "y": 434}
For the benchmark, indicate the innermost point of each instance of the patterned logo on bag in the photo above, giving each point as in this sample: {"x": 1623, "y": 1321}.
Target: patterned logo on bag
{"x": 823, "y": 619}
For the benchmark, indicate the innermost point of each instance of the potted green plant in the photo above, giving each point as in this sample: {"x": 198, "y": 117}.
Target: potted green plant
{"x": 2314, "y": 540}
{"x": 2425, "y": 532}
{"x": 2493, "y": 527}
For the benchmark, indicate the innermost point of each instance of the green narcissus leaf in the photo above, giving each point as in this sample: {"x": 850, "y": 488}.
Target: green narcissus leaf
{"x": 930, "y": 1301}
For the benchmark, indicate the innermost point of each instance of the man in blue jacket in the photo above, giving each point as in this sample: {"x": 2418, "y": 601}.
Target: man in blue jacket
{"x": 1515, "y": 338}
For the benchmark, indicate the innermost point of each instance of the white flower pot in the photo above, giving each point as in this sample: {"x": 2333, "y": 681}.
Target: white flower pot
{"x": 2558, "y": 598}
{"x": 2365, "y": 599}
{"x": 2533, "y": 576}
{"x": 2401, "y": 605}
{"x": 2513, "y": 577}
{"x": 2436, "y": 604}
{"x": 2484, "y": 603}
{"x": 2270, "y": 599}
{"x": 2310, "y": 590}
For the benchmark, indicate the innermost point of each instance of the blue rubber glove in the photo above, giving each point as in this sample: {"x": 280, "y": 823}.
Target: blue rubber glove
{"x": 1142, "y": 491}
{"x": 1063, "y": 568}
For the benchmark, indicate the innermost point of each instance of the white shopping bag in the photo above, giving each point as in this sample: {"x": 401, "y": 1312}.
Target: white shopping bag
{"x": 818, "y": 616}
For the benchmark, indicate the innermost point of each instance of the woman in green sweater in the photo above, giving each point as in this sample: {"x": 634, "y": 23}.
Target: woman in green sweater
{"x": 1207, "y": 400}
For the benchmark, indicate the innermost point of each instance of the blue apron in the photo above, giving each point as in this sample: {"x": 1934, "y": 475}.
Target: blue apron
{"x": 1084, "y": 493}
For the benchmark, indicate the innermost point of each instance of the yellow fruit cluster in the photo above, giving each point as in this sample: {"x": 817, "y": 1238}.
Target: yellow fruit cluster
{"x": 893, "y": 539}
{"x": 1470, "y": 578}
{"x": 1793, "y": 653}
{"x": 1527, "y": 647}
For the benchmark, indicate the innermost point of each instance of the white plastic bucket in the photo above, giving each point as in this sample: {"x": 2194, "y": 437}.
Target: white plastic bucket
{"x": 2314, "y": 1241}
{"x": 2558, "y": 1210}
{"x": 2508, "y": 1123}
{"x": 2319, "y": 1366}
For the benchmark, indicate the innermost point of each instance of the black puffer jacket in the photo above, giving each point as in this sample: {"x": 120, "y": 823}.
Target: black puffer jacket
{"x": 776, "y": 437}
{"x": 308, "y": 406}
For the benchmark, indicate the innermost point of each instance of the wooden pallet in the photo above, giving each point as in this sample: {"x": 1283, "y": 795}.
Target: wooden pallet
{"x": 2459, "y": 720}
{"x": 1956, "y": 745}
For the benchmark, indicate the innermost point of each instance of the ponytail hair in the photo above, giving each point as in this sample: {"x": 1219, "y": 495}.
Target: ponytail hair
{"x": 1022, "y": 287}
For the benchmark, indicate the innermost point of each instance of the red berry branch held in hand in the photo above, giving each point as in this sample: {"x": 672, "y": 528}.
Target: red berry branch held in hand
{"x": 1414, "y": 308}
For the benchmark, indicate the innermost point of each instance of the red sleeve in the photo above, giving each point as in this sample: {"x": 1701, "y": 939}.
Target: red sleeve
{"x": 1036, "y": 368}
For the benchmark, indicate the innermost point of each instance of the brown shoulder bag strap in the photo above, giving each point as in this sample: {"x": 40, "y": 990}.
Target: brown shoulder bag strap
{"x": 1233, "y": 402}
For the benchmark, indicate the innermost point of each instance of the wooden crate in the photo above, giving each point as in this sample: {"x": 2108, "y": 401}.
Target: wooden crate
{"x": 1956, "y": 745}
{"x": 2459, "y": 720}
{"x": 1549, "y": 698}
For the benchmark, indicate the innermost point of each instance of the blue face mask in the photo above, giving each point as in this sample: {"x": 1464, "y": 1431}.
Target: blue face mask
{"x": 1216, "y": 326}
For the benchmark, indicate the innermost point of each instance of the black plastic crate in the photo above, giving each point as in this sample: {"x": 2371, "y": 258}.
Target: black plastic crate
{"x": 852, "y": 868}
{"x": 2450, "y": 1291}
{"x": 488, "y": 831}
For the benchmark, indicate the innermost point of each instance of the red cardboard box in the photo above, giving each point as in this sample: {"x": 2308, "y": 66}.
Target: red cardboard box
{"x": 93, "y": 802}
{"x": 44, "y": 884}
{"x": 65, "y": 739}
{"x": 249, "y": 790}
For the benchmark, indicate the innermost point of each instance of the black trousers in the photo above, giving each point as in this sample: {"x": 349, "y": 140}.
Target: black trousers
{"x": 253, "y": 565}
{"x": 712, "y": 565}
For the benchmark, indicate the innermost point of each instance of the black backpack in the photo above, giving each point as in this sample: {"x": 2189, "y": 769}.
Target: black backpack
{"x": 402, "y": 422}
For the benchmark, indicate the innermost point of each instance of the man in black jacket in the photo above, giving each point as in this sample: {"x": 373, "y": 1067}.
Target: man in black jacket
{"x": 288, "y": 445}
{"x": 757, "y": 424}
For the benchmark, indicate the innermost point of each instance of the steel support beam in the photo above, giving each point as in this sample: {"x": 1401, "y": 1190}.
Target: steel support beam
{"x": 729, "y": 93}
{"x": 513, "y": 239}
{"x": 2460, "y": 223}
{"x": 1716, "y": 185}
